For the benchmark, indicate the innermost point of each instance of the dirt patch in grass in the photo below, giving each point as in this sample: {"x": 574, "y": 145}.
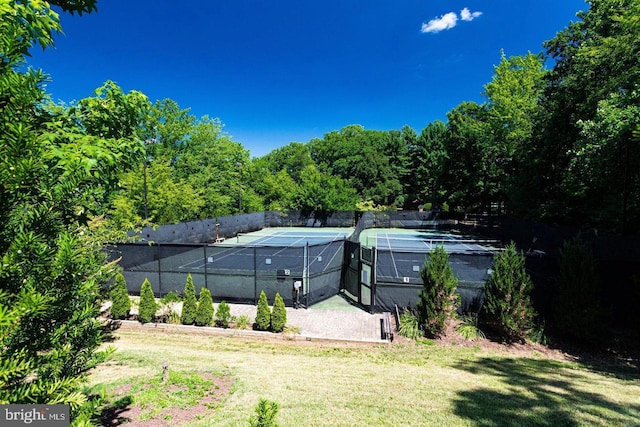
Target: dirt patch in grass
{"x": 136, "y": 405}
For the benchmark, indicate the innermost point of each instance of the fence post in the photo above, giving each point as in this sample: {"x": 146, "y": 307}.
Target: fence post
{"x": 159, "y": 270}
{"x": 206, "y": 275}
{"x": 374, "y": 278}
{"x": 255, "y": 277}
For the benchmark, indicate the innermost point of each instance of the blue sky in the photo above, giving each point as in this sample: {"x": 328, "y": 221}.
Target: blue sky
{"x": 291, "y": 70}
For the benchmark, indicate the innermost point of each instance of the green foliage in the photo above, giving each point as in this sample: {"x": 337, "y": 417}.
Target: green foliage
{"x": 204, "y": 313}
{"x": 577, "y": 309}
{"x": 263, "y": 314}
{"x": 468, "y": 328}
{"x": 173, "y": 318}
{"x": 239, "y": 322}
{"x": 189, "y": 303}
{"x": 372, "y": 162}
{"x": 148, "y": 305}
{"x": 265, "y": 414}
{"x": 437, "y": 301}
{"x": 120, "y": 301}
{"x": 429, "y": 159}
{"x": 537, "y": 334}
{"x": 322, "y": 193}
{"x": 171, "y": 298}
{"x": 409, "y": 325}
{"x": 223, "y": 315}
{"x": 52, "y": 268}
{"x": 278, "y": 315}
{"x": 509, "y": 295}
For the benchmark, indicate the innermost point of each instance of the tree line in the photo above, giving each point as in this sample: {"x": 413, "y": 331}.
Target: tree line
{"x": 557, "y": 144}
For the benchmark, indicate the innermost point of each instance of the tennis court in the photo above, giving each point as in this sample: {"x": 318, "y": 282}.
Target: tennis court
{"x": 398, "y": 255}
{"x": 274, "y": 249}
{"x": 239, "y": 267}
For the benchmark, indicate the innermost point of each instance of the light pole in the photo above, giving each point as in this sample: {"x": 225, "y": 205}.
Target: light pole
{"x": 239, "y": 164}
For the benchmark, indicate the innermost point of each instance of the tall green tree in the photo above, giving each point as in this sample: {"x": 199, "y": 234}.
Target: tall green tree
{"x": 594, "y": 63}
{"x": 52, "y": 266}
{"x": 437, "y": 301}
{"x": 509, "y": 295}
{"x": 323, "y": 193}
{"x": 472, "y": 173}
{"x": 513, "y": 94}
{"x": 428, "y": 158}
{"x": 372, "y": 162}
{"x": 165, "y": 198}
{"x": 216, "y": 165}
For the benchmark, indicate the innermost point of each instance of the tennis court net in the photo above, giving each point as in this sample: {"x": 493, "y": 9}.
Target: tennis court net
{"x": 252, "y": 239}
{"x": 428, "y": 244}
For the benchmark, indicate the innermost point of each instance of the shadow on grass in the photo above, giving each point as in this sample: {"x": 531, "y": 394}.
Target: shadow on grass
{"x": 112, "y": 415}
{"x": 538, "y": 393}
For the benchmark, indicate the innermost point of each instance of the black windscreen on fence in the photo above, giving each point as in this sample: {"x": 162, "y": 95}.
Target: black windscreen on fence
{"x": 234, "y": 273}
{"x": 398, "y": 278}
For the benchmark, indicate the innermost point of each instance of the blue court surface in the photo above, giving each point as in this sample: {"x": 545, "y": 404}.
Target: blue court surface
{"x": 400, "y": 253}
{"x": 427, "y": 242}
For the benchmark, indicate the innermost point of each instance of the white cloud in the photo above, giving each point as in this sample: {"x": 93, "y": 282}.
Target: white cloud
{"x": 467, "y": 15}
{"x": 445, "y": 22}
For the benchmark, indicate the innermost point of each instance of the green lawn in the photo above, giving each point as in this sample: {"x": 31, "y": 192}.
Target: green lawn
{"x": 374, "y": 385}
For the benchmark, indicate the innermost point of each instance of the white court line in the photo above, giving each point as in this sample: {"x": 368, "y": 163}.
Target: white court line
{"x": 315, "y": 258}
{"x": 393, "y": 259}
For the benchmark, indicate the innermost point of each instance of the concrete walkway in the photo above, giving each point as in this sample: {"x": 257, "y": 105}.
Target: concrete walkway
{"x": 339, "y": 321}
{"x": 334, "y": 319}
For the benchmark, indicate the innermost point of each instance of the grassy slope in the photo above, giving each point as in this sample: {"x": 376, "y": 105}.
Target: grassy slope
{"x": 409, "y": 385}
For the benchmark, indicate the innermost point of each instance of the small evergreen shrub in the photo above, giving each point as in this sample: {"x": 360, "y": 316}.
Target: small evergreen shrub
{"x": 508, "y": 292}
{"x": 265, "y": 414}
{"x": 148, "y": 305}
{"x": 189, "y": 303}
{"x": 223, "y": 315}
{"x": 204, "y": 313}
{"x": 278, "y": 315}
{"x": 577, "y": 309}
{"x": 437, "y": 301}
{"x": 263, "y": 313}
{"x": 120, "y": 301}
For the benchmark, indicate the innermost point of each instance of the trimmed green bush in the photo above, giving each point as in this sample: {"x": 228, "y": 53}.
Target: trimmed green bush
{"x": 278, "y": 315}
{"x": 189, "y": 303}
{"x": 263, "y": 314}
{"x": 265, "y": 414}
{"x": 204, "y": 314}
{"x": 437, "y": 301}
{"x": 577, "y": 308}
{"x": 508, "y": 291}
{"x": 148, "y": 305}
{"x": 223, "y": 315}
{"x": 120, "y": 301}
